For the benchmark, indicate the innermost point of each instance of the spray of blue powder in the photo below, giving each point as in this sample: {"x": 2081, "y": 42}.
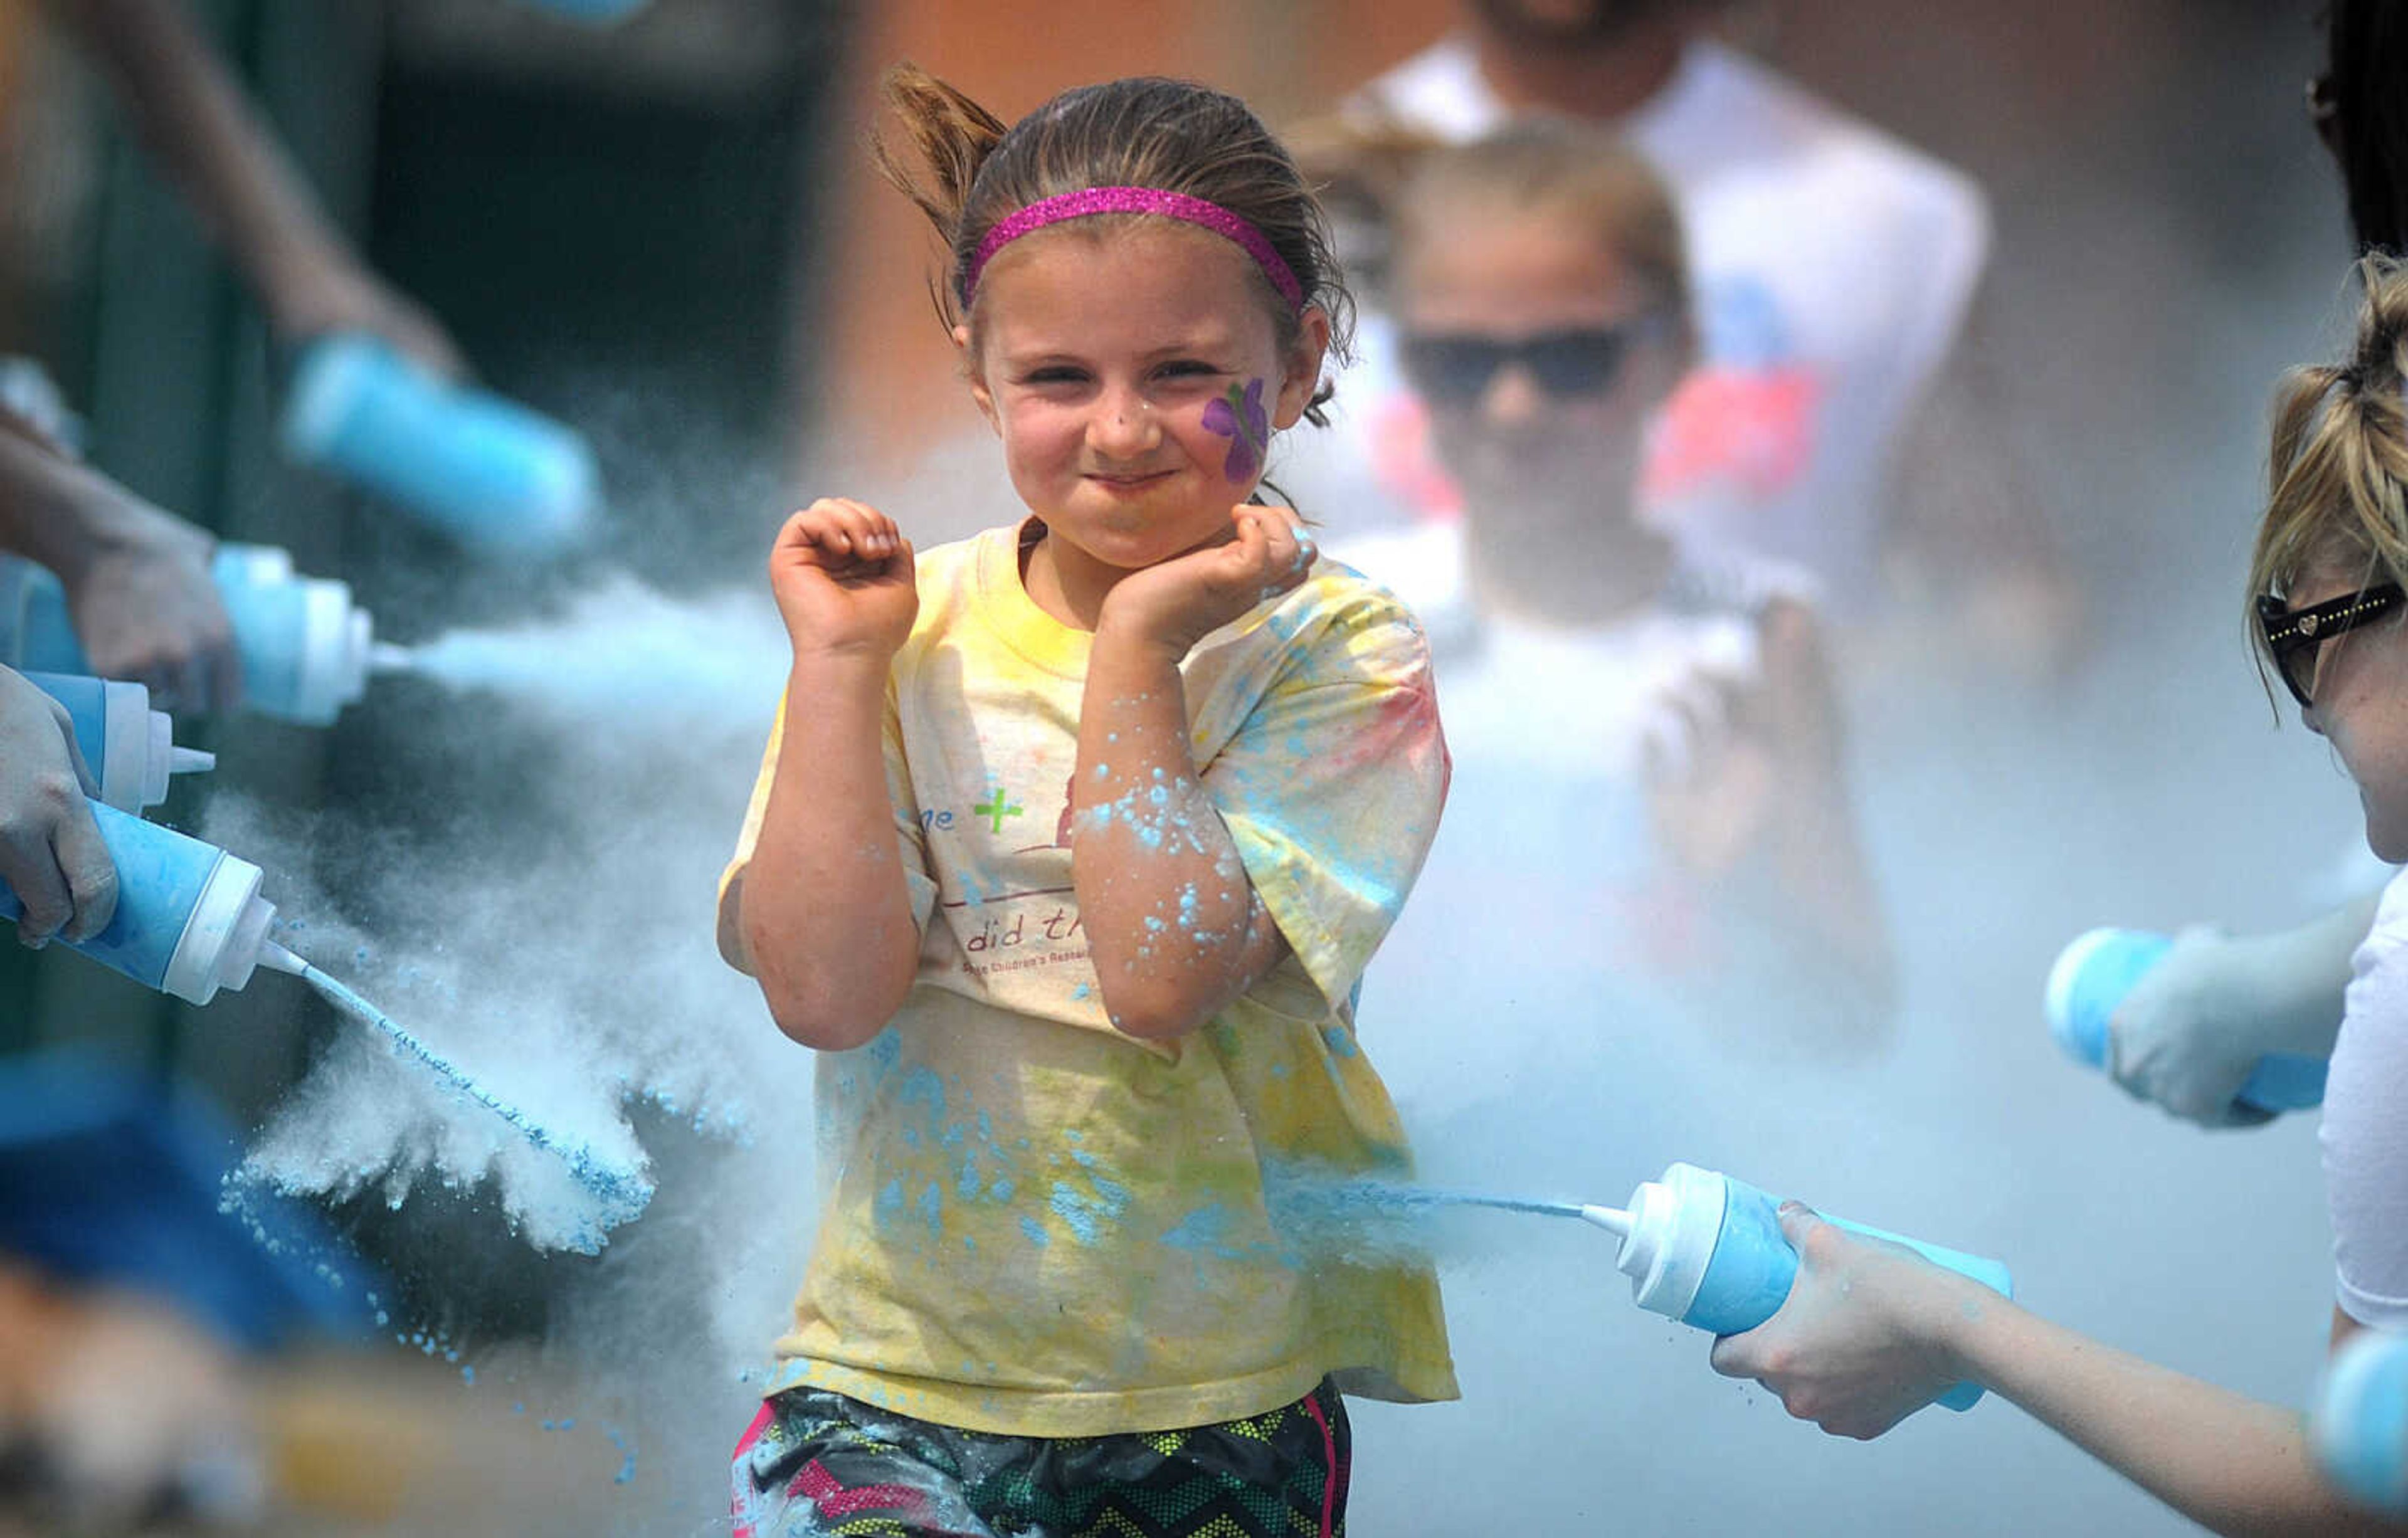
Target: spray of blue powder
{"x": 621, "y": 1192}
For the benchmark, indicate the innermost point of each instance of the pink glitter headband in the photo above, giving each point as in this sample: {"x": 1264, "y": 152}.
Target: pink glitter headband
{"x": 1136, "y": 200}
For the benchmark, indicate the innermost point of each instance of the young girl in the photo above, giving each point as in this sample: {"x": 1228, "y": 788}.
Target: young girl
{"x": 1690, "y": 778}
{"x": 1089, "y": 829}
{"x": 1872, "y": 1332}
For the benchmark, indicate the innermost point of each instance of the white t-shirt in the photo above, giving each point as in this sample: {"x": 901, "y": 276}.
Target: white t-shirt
{"x": 1602, "y": 690}
{"x": 1547, "y": 852}
{"x": 1831, "y": 266}
{"x": 2365, "y": 1133}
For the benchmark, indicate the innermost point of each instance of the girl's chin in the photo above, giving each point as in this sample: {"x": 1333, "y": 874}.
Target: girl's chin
{"x": 1138, "y": 540}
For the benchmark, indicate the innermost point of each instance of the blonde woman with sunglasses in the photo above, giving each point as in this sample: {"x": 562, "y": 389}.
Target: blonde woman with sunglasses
{"x": 1872, "y": 1332}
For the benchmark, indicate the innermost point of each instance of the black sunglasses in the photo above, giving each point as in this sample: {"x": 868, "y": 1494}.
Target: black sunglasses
{"x": 1454, "y": 368}
{"x": 2293, "y": 635}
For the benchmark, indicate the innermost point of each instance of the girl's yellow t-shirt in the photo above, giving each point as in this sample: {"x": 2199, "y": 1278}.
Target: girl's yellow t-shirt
{"x": 1035, "y": 1225}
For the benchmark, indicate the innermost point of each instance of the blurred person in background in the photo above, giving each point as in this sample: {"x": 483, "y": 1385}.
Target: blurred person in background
{"x": 193, "y": 121}
{"x": 1832, "y": 268}
{"x": 138, "y": 576}
{"x": 1658, "y": 711}
{"x": 117, "y": 1410}
{"x": 1870, "y": 1331}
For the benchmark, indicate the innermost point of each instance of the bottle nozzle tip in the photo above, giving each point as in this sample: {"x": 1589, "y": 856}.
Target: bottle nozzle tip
{"x": 386, "y": 657}
{"x": 277, "y": 959}
{"x": 191, "y": 760}
{"x": 1613, "y": 1219}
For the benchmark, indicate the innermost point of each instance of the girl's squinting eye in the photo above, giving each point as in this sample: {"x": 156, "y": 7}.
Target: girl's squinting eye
{"x": 1188, "y": 368}
{"x": 1055, "y": 375}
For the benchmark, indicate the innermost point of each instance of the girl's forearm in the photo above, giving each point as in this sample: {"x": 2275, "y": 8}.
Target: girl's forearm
{"x": 2227, "y": 1462}
{"x": 1174, "y": 927}
{"x": 825, "y": 912}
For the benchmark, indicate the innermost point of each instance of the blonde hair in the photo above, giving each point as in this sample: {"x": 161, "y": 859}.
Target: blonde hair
{"x": 1548, "y": 168}
{"x": 972, "y": 170}
{"x": 2338, "y": 475}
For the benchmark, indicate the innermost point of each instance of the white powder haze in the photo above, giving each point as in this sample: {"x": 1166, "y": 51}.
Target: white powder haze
{"x": 558, "y": 948}
{"x": 627, "y": 655}
{"x": 569, "y": 986}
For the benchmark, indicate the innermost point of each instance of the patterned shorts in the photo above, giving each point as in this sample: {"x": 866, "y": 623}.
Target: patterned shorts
{"x": 814, "y": 1462}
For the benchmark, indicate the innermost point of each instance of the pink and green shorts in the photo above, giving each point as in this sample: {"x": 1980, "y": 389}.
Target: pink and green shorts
{"x": 815, "y": 1462}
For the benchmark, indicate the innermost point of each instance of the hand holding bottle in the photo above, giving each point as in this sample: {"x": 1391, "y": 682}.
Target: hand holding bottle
{"x": 2199, "y": 1025}
{"x": 1861, "y": 1342}
{"x": 144, "y": 602}
{"x": 51, "y": 850}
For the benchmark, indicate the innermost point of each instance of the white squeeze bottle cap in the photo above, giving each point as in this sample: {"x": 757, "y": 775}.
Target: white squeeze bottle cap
{"x": 225, "y": 938}
{"x": 1668, "y": 1237}
{"x": 336, "y": 640}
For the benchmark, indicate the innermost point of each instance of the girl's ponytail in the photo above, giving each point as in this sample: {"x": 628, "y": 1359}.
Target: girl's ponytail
{"x": 951, "y": 137}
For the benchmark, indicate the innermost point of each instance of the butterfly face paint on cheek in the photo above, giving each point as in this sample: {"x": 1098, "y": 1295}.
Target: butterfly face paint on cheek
{"x": 1238, "y": 416}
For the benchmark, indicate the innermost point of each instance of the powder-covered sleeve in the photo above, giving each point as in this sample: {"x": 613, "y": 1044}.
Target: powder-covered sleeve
{"x": 910, "y": 842}
{"x": 2365, "y": 1137}
{"x": 1332, "y": 785}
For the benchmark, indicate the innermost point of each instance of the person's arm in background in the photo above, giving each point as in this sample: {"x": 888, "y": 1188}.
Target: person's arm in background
{"x": 137, "y": 578}
{"x": 1750, "y": 797}
{"x": 192, "y": 120}
{"x": 1814, "y": 848}
{"x": 52, "y": 858}
{"x": 1872, "y": 1332}
{"x": 1971, "y": 548}
{"x": 2192, "y": 1029}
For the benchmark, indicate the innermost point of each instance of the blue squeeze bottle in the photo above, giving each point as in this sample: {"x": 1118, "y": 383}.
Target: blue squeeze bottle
{"x": 2359, "y": 1426}
{"x": 1703, "y": 1248}
{"x": 484, "y": 470}
{"x": 306, "y": 647}
{"x": 2093, "y": 974}
{"x": 189, "y": 921}
{"x": 128, "y": 745}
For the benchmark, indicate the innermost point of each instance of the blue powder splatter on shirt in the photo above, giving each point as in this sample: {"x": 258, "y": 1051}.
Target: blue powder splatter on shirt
{"x": 1205, "y": 1230}
{"x": 1076, "y": 1211}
